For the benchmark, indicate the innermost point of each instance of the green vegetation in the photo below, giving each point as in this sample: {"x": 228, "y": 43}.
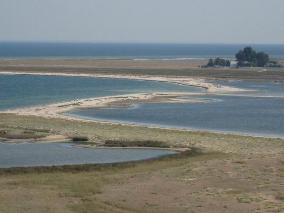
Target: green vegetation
{"x": 246, "y": 57}
{"x": 218, "y": 62}
{"x": 137, "y": 143}
{"x": 79, "y": 139}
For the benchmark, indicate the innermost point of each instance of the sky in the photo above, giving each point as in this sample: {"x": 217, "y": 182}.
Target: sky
{"x": 145, "y": 21}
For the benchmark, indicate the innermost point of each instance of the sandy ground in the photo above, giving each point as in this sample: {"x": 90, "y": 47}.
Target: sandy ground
{"x": 56, "y": 110}
{"x": 210, "y": 87}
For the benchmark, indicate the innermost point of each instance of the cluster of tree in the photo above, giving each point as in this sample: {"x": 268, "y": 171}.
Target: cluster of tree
{"x": 248, "y": 57}
{"x": 218, "y": 62}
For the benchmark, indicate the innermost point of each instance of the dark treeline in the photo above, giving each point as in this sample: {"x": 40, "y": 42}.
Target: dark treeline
{"x": 246, "y": 57}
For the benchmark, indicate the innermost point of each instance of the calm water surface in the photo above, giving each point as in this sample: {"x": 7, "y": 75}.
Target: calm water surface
{"x": 226, "y": 113}
{"x": 50, "y": 154}
{"x": 129, "y": 51}
{"x": 27, "y": 90}
{"x": 261, "y": 88}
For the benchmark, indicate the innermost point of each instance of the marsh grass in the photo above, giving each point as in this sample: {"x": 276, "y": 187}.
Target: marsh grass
{"x": 12, "y": 133}
{"x": 191, "y": 153}
{"x": 79, "y": 139}
{"x": 136, "y": 143}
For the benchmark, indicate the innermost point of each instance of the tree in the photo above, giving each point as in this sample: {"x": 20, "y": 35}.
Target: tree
{"x": 218, "y": 62}
{"x": 249, "y": 57}
{"x": 262, "y": 59}
{"x": 210, "y": 63}
{"x": 228, "y": 63}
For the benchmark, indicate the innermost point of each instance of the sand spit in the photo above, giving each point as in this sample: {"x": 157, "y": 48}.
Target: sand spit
{"x": 180, "y": 80}
{"x": 56, "y": 110}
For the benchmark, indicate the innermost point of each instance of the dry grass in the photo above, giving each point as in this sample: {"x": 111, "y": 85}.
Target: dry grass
{"x": 208, "y": 182}
{"x": 189, "y": 68}
{"x": 98, "y": 133}
{"x": 16, "y": 133}
{"x": 234, "y": 174}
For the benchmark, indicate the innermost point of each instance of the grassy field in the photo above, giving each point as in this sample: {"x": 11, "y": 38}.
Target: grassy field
{"x": 230, "y": 173}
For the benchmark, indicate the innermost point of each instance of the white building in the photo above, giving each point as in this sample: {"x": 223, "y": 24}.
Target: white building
{"x": 233, "y": 64}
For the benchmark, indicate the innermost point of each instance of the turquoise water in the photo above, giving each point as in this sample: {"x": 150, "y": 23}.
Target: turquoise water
{"x": 27, "y": 90}
{"x": 259, "y": 115}
{"x": 52, "y": 154}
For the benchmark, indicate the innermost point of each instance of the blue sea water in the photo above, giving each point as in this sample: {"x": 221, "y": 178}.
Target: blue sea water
{"x": 130, "y": 51}
{"x": 27, "y": 90}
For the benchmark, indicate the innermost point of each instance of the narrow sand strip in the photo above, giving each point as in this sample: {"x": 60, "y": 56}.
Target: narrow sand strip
{"x": 210, "y": 87}
{"x": 56, "y": 110}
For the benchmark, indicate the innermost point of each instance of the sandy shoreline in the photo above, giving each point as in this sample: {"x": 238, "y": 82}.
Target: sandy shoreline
{"x": 55, "y": 110}
{"x": 180, "y": 80}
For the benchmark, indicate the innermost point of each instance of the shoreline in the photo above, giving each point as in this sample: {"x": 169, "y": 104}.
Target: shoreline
{"x": 56, "y": 110}
{"x": 179, "y": 80}
{"x": 175, "y": 128}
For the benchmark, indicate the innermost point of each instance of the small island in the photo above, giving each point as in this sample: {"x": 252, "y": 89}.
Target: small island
{"x": 246, "y": 57}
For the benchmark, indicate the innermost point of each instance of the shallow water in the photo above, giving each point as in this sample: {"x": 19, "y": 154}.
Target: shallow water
{"x": 261, "y": 88}
{"x": 26, "y": 90}
{"x": 251, "y": 115}
{"x": 50, "y": 154}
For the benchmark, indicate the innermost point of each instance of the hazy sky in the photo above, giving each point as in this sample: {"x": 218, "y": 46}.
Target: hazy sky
{"x": 182, "y": 21}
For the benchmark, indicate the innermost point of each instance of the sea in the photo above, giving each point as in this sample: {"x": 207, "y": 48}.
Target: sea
{"x": 135, "y": 51}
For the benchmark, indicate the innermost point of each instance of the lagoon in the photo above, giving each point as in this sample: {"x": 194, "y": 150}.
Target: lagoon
{"x": 57, "y": 154}
{"x": 260, "y": 112}
{"x": 18, "y": 91}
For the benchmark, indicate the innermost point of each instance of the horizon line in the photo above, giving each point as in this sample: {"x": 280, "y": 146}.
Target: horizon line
{"x": 138, "y": 42}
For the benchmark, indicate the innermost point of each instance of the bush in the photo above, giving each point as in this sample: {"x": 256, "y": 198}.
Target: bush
{"x": 218, "y": 62}
{"x": 125, "y": 143}
{"x": 80, "y": 139}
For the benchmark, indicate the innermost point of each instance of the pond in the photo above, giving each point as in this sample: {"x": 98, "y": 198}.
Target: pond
{"x": 54, "y": 154}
